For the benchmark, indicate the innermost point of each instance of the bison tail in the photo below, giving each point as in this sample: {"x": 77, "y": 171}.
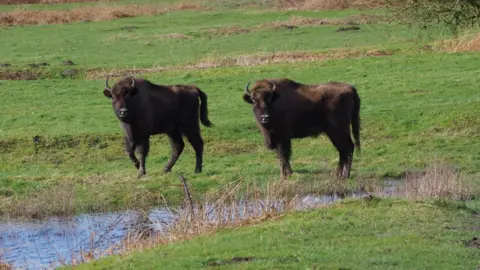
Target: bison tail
{"x": 204, "y": 109}
{"x": 356, "y": 119}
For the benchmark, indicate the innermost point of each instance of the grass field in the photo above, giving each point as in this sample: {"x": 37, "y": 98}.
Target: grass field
{"x": 351, "y": 235}
{"x": 61, "y": 147}
{"x": 419, "y": 105}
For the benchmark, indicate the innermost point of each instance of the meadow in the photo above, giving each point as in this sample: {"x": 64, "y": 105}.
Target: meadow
{"x": 61, "y": 147}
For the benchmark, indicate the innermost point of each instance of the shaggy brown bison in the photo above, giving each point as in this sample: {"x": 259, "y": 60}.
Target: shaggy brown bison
{"x": 145, "y": 109}
{"x": 285, "y": 109}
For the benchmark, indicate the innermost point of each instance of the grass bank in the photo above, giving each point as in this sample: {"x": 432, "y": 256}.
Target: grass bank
{"x": 356, "y": 234}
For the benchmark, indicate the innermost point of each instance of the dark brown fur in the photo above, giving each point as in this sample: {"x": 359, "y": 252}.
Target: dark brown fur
{"x": 285, "y": 109}
{"x": 147, "y": 109}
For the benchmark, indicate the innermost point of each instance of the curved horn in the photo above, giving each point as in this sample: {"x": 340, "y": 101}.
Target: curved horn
{"x": 106, "y": 83}
{"x": 133, "y": 81}
{"x": 246, "y": 88}
{"x": 274, "y": 85}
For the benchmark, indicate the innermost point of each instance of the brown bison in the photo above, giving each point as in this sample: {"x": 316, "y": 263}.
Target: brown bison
{"x": 145, "y": 109}
{"x": 285, "y": 109}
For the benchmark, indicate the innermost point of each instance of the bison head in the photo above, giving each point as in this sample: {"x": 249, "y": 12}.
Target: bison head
{"x": 121, "y": 94}
{"x": 261, "y": 97}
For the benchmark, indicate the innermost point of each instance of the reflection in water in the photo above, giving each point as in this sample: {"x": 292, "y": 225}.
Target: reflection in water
{"x": 56, "y": 241}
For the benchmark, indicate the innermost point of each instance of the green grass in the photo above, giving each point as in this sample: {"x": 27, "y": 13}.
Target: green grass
{"x": 417, "y": 107}
{"x": 108, "y": 46}
{"x": 351, "y": 235}
{"x": 409, "y": 121}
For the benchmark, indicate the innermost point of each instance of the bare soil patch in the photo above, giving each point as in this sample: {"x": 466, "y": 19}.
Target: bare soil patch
{"x": 474, "y": 243}
{"x": 87, "y": 14}
{"x": 245, "y": 60}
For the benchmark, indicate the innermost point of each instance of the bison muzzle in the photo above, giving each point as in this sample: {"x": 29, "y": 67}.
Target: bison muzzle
{"x": 285, "y": 109}
{"x": 146, "y": 109}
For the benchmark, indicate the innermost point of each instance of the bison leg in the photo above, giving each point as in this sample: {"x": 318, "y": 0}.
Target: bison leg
{"x": 197, "y": 143}
{"x": 176, "y": 141}
{"x": 130, "y": 149}
{"x": 284, "y": 151}
{"x": 344, "y": 144}
{"x": 143, "y": 150}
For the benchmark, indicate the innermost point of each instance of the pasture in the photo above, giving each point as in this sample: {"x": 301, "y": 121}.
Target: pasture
{"x": 61, "y": 147}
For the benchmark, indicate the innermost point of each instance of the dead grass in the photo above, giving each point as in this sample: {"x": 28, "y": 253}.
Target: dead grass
{"x": 21, "y": 2}
{"x": 244, "y": 60}
{"x": 327, "y": 4}
{"x": 87, "y": 14}
{"x": 465, "y": 43}
{"x": 438, "y": 182}
{"x": 54, "y": 201}
{"x": 292, "y": 23}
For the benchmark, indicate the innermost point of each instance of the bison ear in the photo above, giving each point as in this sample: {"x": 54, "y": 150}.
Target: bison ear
{"x": 247, "y": 98}
{"x": 107, "y": 93}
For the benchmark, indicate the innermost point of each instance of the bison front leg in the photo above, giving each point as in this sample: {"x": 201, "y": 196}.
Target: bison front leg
{"x": 284, "y": 151}
{"x": 130, "y": 149}
{"x": 176, "y": 141}
{"x": 143, "y": 150}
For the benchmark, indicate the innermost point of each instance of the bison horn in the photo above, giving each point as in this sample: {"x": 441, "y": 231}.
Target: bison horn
{"x": 274, "y": 86}
{"x": 133, "y": 81}
{"x": 246, "y": 89}
{"x": 106, "y": 83}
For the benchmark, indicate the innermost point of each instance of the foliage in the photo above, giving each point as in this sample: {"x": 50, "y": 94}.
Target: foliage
{"x": 455, "y": 14}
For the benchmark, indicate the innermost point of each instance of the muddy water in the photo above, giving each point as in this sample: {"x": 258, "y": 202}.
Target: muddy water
{"x": 60, "y": 241}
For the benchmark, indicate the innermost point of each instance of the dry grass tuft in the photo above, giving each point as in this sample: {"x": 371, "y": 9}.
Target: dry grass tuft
{"x": 438, "y": 181}
{"x": 327, "y": 4}
{"x": 465, "y": 43}
{"x": 54, "y": 201}
{"x": 87, "y": 14}
{"x": 244, "y": 60}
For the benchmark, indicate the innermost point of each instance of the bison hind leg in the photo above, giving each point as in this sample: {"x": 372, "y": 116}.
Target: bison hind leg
{"x": 197, "y": 143}
{"x": 343, "y": 142}
{"x": 177, "y": 144}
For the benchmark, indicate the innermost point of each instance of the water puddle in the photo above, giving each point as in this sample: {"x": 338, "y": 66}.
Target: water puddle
{"x": 54, "y": 242}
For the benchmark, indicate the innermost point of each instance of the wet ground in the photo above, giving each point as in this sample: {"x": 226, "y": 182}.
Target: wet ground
{"x": 61, "y": 241}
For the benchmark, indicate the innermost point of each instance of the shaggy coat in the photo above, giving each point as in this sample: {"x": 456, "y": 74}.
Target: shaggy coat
{"x": 285, "y": 109}
{"x": 146, "y": 109}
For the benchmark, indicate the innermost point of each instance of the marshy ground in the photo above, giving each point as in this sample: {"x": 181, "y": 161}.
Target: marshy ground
{"x": 61, "y": 150}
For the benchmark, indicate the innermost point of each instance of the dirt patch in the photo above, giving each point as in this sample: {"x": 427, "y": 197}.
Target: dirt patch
{"x": 244, "y": 60}
{"x": 350, "y": 28}
{"x": 234, "y": 260}
{"x": 88, "y": 14}
{"x": 295, "y": 22}
{"x": 474, "y": 243}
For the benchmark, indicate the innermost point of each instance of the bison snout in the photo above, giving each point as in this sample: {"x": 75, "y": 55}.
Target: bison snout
{"x": 264, "y": 118}
{"x": 123, "y": 112}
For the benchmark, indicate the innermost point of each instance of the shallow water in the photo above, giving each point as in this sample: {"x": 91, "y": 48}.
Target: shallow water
{"x": 60, "y": 241}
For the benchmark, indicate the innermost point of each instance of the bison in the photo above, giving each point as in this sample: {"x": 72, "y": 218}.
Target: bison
{"x": 144, "y": 109}
{"x": 285, "y": 109}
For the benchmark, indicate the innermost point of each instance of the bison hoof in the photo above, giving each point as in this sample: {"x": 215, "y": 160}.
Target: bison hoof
{"x": 141, "y": 174}
{"x": 198, "y": 170}
{"x": 166, "y": 170}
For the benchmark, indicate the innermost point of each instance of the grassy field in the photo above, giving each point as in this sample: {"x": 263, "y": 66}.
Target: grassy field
{"x": 352, "y": 235}
{"x": 419, "y": 105}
